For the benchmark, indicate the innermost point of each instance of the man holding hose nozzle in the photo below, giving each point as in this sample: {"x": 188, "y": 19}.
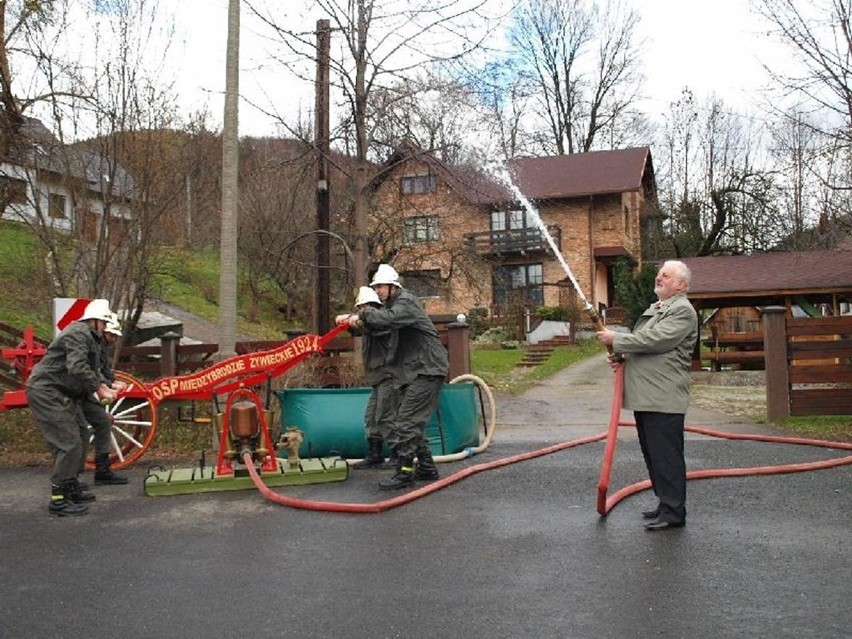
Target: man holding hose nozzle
{"x": 377, "y": 348}
{"x": 419, "y": 366}
{"x": 657, "y": 357}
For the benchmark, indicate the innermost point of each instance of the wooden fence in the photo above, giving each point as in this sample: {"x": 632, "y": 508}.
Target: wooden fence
{"x": 808, "y": 364}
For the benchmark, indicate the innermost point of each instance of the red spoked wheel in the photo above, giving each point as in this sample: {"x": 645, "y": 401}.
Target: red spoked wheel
{"x": 134, "y": 416}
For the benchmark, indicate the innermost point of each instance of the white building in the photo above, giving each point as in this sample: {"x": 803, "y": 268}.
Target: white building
{"x": 65, "y": 187}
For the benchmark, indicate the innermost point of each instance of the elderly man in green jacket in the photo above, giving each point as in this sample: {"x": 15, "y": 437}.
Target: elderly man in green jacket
{"x": 419, "y": 366}
{"x": 657, "y": 357}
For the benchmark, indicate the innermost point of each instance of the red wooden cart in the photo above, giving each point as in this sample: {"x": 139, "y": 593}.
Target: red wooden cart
{"x": 134, "y": 413}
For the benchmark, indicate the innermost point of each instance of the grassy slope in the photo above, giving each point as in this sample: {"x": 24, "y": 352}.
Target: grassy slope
{"x": 189, "y": 279}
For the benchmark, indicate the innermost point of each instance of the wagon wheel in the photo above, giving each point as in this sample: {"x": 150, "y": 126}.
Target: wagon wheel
{"x": 134, "y": 424}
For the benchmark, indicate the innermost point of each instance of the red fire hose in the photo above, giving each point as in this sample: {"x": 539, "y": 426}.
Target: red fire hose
{"x": 387, "y": 504}
{"x": 604, "y": 504}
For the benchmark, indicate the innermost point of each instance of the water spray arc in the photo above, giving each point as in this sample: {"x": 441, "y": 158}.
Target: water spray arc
{"x": 500, "y": 172}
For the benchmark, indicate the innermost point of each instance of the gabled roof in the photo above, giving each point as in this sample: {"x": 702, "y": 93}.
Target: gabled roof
{"x": 767, "y": 277}
{"x": 547, "y": 178}
{"x": 47, "y": 153}
{"x": 580, "y": 174}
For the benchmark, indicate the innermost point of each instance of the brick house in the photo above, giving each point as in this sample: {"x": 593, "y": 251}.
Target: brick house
{"x": 461, "y": 239}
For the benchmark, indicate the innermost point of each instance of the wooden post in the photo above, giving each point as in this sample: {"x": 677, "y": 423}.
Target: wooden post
{"x": 168, "y": 354}
{"x": 323, "y": 206}
{"x": 458, "y": 348}
{"x": 774, "y": 320}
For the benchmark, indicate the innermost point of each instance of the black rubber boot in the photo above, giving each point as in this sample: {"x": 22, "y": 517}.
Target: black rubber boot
{"x": 403, "y": 477}
{"x": 61, "y": 506}
{"x": 426, "y": 468}
{"x": 392, "y": 461}
{"x": 374, "y": 458}
{"x": 103, "y": 475}
{"x": 75, "y": 494}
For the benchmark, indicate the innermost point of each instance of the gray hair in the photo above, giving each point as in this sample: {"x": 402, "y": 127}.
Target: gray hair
{"x": 681, "y": 269}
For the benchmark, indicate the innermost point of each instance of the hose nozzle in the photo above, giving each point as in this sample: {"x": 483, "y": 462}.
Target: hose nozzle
{"x": 598, "y": 322}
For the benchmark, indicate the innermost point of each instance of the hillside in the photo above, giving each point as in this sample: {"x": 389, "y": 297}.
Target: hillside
{"x": 184, "y": 288}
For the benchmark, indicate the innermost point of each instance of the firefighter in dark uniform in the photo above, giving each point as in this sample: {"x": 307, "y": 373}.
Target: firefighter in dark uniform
{"x": 377, "y": 349}
{"x": 97, "y": 417}
{"x": 61, "y": 381}
{"x": 419, "y": 366}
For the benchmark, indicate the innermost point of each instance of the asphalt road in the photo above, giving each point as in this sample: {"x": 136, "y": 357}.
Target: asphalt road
{"x": 514, "y": 552}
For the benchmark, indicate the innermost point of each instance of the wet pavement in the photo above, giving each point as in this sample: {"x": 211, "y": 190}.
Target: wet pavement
{"x": 519, "y": 551}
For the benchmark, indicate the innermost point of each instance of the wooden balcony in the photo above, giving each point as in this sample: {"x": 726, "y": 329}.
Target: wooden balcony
{"x": 512, "y": 241}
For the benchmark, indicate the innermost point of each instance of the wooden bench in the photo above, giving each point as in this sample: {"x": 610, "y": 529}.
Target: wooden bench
{"x": 734, "y": 348}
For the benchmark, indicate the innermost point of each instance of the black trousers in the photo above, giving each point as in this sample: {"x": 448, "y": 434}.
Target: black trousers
{"x": 661, "y": 440}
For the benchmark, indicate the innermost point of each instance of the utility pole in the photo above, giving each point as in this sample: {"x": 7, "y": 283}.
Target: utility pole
{"x": 230, "y": 193}
{"x": 321, "y": 143}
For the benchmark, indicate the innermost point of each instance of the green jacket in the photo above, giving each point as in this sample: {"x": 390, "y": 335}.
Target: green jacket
{"x": 419, "y": 350}
{"x": 658, "y": 355}
{"x": 71, "y": 363}
{"x": 377, "y": 349}
{"x": 105, "y": 363}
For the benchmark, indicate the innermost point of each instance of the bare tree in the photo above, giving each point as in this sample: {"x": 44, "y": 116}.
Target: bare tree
{"x": 819, "y": 35}
{"x": 21, "y": 22}
{"x": 380, "y": 41}
{"x": 277, "y": 178}
{"x": 123, "y": 181}
{"x": 433, "y": 110}
{"x": 716, "y": 190}
{"x": 582, "y": 58}
{"x": 507, "y": 97}
{"x": 813, "y": 100}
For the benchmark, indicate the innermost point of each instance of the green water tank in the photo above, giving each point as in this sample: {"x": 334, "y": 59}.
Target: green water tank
{"x": 332, "y": 420}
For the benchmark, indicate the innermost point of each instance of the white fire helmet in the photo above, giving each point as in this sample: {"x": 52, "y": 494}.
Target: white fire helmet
{"x": 385, "y": 274}
{"x": 97, "y": 309}
{"x": 366, "y": 295}
{"x": 113, "y": 326}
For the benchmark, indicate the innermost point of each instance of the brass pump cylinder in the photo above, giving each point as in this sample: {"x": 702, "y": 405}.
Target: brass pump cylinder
{"x": 244, "y": 421}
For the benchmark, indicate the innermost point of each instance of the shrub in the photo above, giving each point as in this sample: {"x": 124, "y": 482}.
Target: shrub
{"x": 554, "y": 313}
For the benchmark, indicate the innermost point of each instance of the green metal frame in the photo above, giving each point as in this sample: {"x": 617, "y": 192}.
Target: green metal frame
{"x": 183, "y": 481}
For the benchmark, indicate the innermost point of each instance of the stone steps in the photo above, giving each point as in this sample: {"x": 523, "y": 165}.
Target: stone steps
{"x": 535, "y": 354}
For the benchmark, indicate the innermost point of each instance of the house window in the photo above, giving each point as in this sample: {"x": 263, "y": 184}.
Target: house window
{"x": 56, "y": 206}
{"x": 13, "y": 190}
{"x": 524, "y": 279}
{"x": 425, "y": 283}
{"x": 510, "y": 220}
{"x": 421, "y": 229}
{"x": 417, "y": 184}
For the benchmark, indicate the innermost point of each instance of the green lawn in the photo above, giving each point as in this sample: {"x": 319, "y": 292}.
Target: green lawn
{"x": 498, "y": 366}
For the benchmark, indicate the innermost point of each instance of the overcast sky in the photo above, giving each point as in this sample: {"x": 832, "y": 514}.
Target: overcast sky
{"x": 711, "y": 46}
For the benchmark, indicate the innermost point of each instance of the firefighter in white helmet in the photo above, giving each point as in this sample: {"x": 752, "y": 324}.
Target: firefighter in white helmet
{"x": 377, "y": 350}
{"x": 62, "y": 380}
{"x": 97, "y": 416}
{"x": 419, "y": 366}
